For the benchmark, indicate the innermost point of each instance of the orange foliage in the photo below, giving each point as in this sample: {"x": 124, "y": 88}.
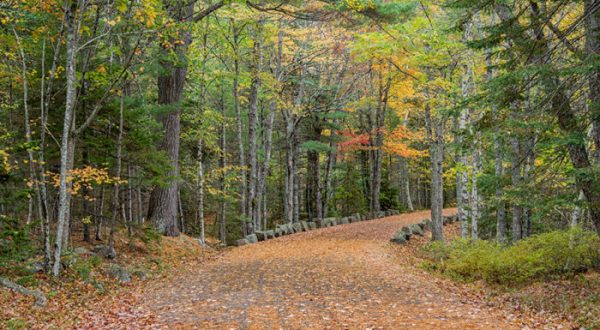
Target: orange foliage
{"x": 397, "y": 142}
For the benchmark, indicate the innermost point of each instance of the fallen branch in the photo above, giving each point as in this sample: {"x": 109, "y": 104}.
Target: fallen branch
{"x": 40, "y": 299}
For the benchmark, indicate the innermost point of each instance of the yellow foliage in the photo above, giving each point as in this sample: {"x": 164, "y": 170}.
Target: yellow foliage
{"x": 85, "y": 177}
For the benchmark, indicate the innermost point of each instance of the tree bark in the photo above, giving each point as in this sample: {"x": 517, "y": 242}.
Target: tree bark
{"x": 162, "y": 209}
{"x": 592, "y": 50}
{"x": 117, "y": 185}
{"x": 65, "y": 156}
{"x": 268, "y": 138}
{"x": 253, "y": 205}
{"x": 435, "y": 135}
{"x": 222, "y": 165}
{"x": 200, "y": 193}
{"x": 238, "y": 114}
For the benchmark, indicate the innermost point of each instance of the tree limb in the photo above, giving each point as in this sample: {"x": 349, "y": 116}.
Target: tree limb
{"x": 40, "y": 299}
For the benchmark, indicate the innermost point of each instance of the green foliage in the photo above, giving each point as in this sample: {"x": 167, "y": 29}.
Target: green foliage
{"x": 15, "y": 242}
{"x": 84, "y": 266}
{"x": 16, "y": 323}
{"x": 149, "y": 235}
{"x": 27, "y": 281}
{"x": 549, "y": 255}
{"x": 317, "y": 146}
{"x": 388, "y": 197}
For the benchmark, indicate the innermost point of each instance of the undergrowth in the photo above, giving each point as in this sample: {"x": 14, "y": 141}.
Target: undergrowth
{"x": 552, "y": 255}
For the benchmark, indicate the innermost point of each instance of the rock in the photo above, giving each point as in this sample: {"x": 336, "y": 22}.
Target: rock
{"x": 407, "y": 232}
{"x": 288, "y": 228}
{"x": 304, "y": 225}
{"x": 270, "y": 234}
{"x": 81, "y": 250}
{"x": 141, "y": 274}
{"x": 252, "y": 238}
{"x": 416, "y": 229}
{"x": 426, "y": 224}
{"x": 36, "y": 267}
{"x": 277, "y": 232}
{"x": 104, "y": 251}
{"x": 333, "y": 221}
{"x": 297, "y": 227}
{"x": 321, "y": 223}
{"x": 312, "y": 225}
{"x": 261, "y": 235}
{"x": 67, "y": 260}
{"x": 344, "y": 221}
{"x": 241, "y": 242}
{"x": 119, "y": 273}
{"x": 285, "y": 229}
{"x": 400, "y": 237}
{"x": 291, "y": 228}
{"x": 447, "y": 220}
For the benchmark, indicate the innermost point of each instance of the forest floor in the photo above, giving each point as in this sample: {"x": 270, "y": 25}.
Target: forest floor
{"x": 343, "y": 277}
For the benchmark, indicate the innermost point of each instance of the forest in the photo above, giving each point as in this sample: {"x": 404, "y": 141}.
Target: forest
{"x": 142, "y": 143}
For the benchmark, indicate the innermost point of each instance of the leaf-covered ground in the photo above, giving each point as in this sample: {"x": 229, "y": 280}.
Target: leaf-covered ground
{"x": 344, "y": 277}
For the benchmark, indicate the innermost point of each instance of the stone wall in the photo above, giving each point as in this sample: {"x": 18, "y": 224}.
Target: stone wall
{"x": 292, "y": 228}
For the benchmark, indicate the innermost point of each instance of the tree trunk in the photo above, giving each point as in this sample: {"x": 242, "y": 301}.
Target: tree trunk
{"x": 501, "y": 234}
{"x": 592, "y": 50}
{"x": 268, "y": 138}
{"x": 405, "y": 174}
{"x": 238, "y": 114}
{"x": 331, "y": 158}
{"x": 517, "y": 210}
{"x": 435, "y": 135}
{"x": 70, "y": 102}
{"x": 290, "y": 174}
{"x": 200, "y": 193}
{"x": 255, "y": 83}
{"x": 44, "y": 103}
{"x": 222, "y": 165}
{"x": 162, "y": 209}
{"x": 296, "y": 186}
{"x": 462, "y": 176}
{"x": 477, "y": 168}
{"x": 117, "y": 186}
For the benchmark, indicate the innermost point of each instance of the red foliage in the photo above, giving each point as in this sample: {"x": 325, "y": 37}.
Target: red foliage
{"x": 353, "y": 141}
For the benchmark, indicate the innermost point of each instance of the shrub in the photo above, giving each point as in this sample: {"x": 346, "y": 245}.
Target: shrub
{"x": 150, "y": 235}
{"x": 553, "y": 254}
{"x": 84, "y": 266}
{"x": 15, "y": 242}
